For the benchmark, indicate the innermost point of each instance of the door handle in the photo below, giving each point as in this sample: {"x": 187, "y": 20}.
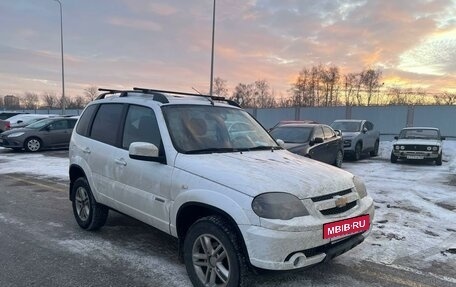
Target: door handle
{"x": 121, "y": 161}
{"x": 86, "y": 150}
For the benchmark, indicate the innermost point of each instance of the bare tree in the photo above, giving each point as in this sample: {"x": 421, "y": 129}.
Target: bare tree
{"x": 243, "y": 94}
{"x": 30, "y": 100}
{"x": 263, "y": 94}
{"x": 49, "y": 99}
{"x": 449, "y": 98}
{"x": 220, "y": 87}
{"x": 371, "y": 81}
{"x": 330, "y": 79}
{"x": 91, "y": 93}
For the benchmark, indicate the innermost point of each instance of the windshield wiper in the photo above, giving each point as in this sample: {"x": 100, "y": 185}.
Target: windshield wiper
{"x": 211, "y": 150}
{"x": 264, "y": 147}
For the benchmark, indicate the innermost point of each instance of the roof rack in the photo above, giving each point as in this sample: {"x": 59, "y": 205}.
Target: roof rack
{"x": 159, "y": 96}
{"x": 210, "y": 98}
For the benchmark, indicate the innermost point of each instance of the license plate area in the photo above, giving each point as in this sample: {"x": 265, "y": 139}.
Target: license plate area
{"x": 347, "y": 226}
{"x": 415, "y": 157}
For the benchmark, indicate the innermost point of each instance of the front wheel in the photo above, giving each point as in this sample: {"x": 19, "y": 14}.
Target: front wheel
{"x": 393, "y": 158}
{"x": 357, "y": 154}
{"x": 32, "y": 144}
{"x": 89, "y": 214}
{"x": 438, "y": 161}
{"x": 212, "y": 254}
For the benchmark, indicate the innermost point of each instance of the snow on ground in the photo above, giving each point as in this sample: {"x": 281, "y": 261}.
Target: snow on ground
{"x": 415, "y": 221}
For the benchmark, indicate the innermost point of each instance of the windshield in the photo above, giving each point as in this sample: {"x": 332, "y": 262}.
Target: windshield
{"x": 292, "y": 134}
{"x": 346, "y": 126}
{"x": 207, "y": 129}
{"x": 39, "y": 124}
{"x": 419, "y": 134}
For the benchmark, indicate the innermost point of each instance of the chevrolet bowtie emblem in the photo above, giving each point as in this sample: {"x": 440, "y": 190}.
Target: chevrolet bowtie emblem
{"x": 341, "y": 201}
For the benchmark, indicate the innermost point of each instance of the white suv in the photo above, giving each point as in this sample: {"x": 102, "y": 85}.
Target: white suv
{"x": 234, "y": 198}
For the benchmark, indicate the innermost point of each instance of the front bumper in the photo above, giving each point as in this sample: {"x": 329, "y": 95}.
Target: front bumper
{"x": 285, "y": 250}
{"x": 423, "y": 155}
{"x": 11, "y": 142}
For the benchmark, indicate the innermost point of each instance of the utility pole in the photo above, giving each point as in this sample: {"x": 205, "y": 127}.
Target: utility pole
{"x": 212, "y": 53}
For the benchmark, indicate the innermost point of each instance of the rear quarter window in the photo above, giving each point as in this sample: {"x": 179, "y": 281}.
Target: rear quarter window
{"x": 84, "y": 122}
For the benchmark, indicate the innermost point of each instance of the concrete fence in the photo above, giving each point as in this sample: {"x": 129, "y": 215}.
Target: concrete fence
{"x": 389, "y": 120}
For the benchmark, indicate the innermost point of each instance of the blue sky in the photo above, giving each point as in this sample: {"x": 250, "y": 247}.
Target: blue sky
{"x": 166, "y": 44}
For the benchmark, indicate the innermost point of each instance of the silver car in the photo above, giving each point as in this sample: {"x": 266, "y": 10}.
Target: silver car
{"x": 47, "y": 133}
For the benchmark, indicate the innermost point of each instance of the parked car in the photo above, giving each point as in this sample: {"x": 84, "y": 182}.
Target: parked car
{"x": 5, "y": 115}
{"x": 286, "y": 122}
{"x": 231, "y": 199}
{"x": 316, "y": 141}
{"x": 22, "y": 120}
{"x": 359, "y": 137}
{"x": 47, "y": 133}
{"x": 4, "y": 123}
{"x": 418, "y": 143}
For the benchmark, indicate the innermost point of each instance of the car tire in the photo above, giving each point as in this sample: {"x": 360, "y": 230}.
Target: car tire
{"x": 213, "y": 254}
{"x": 89, "y": 214}
{"x": 393, "y": 158}
{"x": 358, "y": 150}
{"x": 375, "y": 151}
{"x": 339, "y": 159}
{"x": 33, "y": 144}
{"x": 438, "y": 161}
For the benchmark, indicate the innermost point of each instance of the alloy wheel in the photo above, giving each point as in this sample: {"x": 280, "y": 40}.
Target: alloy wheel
{"x": 82, "y": 203}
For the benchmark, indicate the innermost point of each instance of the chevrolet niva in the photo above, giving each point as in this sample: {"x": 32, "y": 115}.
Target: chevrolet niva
{"x": 236, "y": 200}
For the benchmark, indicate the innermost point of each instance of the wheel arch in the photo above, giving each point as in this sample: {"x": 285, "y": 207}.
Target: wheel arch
{"x": 190, "y": 212}
{"x": 75, "y": 172}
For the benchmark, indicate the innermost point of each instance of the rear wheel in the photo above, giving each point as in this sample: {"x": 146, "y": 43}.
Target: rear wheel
{"x": 32, "y": 144}
{"x": 339, "y": 159}
{"x": 393, "y": 158}
{"x": 212, "y": 254}
{"x": 89, "y": 214}
{"x": 375, "y": 151}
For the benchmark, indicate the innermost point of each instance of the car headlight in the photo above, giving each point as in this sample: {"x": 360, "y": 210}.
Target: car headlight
{"x": 402, "y": 147}
{"x": 429, "y": 148}
{"x": 396, "y": 147}
{"x": 360, "y": 187}
{"x": 435, "y": 148}
{"x": 278, "y": 205}
{"x": 15, "y": 135}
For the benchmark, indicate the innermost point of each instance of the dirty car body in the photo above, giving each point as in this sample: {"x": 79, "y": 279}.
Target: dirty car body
{"x": 275, "y": 204}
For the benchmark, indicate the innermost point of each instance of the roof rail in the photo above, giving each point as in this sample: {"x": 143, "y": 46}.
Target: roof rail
{"x": 159, "y": 96}
{"x": 210, "y": 98}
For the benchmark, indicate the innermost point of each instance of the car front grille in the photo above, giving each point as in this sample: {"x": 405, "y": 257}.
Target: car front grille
{"x": 337, "y": 210}
{"x": 416, "y": 147}
{"x": 330, "y": 196}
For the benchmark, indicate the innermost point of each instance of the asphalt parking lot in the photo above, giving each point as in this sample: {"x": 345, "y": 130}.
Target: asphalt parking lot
{"x": 41, "y": 245}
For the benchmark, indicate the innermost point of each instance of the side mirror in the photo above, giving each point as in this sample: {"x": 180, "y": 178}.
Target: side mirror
{"x": 396, "y": 137}
{"x": 19, "y": 121}
{"x": 364, "y": 130}
{"x": 144, "y": 151}
{"x": 338, "y": 132}
{"x": 48, "y": 128}
{"x": 318, "y": 140}
{"x": 280, "y": 142}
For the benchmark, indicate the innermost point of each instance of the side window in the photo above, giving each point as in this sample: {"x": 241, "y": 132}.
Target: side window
{"x": 84, "y": 122}
{"x": 140, "y": 126}
{"x": 71, "y": 123}
{"x": 369, "y": 126}
{"x": 58, "y": 125}
{"x": 329, "y": 133}
{"x": 106, "y": 123}
{"x": 318, "y": 133}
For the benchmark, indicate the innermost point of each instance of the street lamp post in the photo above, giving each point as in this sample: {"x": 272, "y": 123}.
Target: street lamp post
{"x": 61, "y": 50}
{"x": 212, "y": 53}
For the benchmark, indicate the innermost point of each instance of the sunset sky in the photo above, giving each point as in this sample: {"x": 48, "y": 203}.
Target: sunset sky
{"x": 167, "y": 44}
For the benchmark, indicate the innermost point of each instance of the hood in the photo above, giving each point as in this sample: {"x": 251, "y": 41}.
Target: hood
{"x": 257, "y": 172}
{"x": 349, "y": 134}
{"x": 417, "y": 142}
